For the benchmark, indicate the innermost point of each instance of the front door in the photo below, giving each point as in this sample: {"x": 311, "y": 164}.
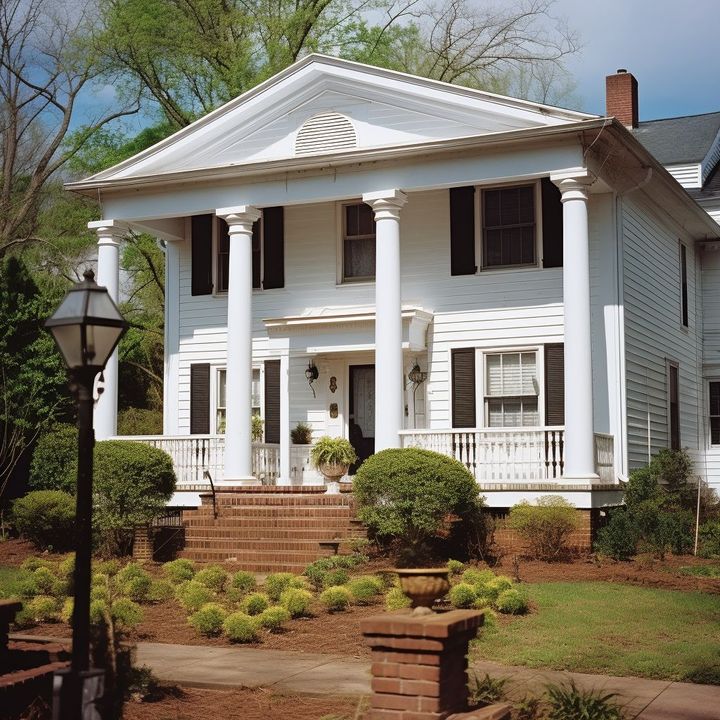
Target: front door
{"x": 361, "y": 421}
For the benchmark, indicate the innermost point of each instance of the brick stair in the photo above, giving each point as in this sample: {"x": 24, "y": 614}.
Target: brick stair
{"x": 269, "y": 529}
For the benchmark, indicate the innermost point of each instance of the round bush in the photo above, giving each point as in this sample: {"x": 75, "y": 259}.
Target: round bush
{"x": 240, "y": 627}
{"x": 208, "y": 620}
{"x": 273, "y": 618}
{"x": 179, "y": 570}
{"x": 408, "y": 493}
{"x": 476, "y": 577}
{"x": 276, "y": 583}
{"x": 133, "y": 582}
{"x": 46, "y": 518}
{"x": 336, "y": 598}
{"x": 512, "y": 602}
{"x": 45, "y": 581}
{"x": 98, "y": 609}
{"x": 67, "y": 610}
{"x": 126, "y": 613}
{"x": 365, "y": 589}
{"x": 709, "y": 535}
{"x": 42, "y": 608}
{"x": 243, "y": 581}
{"x": 296, "y": 601}
{"x": 455, "y": 567}
{"x": 619, "y": 538}
{"x": 497, "y": 585}
{"x": 109, "y": 567}
{"x": 132, "y": 484}
{"x": 546, "y": 526}
{"x": 462, "y": 595}
{"x": 335, "y": 577}
{"x": 192, "y": 595}
{"x": 66, "y": 568}
{"x": 160, "y": 590}
{"x": 33, "y": 563}
{"x": 213, "y": 577}
{"x": 54, "y": 461}
{"x": 396, "y": 599}
{"x": 255, "y": 603}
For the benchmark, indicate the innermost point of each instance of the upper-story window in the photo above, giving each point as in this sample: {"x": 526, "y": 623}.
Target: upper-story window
{"x": 222, "y": 270}
{"x": 511, "y": 389}
{"x": 683, "y": 285}
{"x": 358, "y": 242}
{"x": 508, "y": 226}
{"x": 714, "y": 413}
{"x": 221, "y": 397}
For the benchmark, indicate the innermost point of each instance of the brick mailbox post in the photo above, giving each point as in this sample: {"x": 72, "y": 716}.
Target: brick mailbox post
{"x": 419, "y": 665}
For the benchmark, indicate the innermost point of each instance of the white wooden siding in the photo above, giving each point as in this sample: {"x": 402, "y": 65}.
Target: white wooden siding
{"x": 654, "y": 331}
{"x": 687, "y": 175}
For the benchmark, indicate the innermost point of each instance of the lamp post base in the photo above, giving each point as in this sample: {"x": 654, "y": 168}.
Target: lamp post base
{"x": 89, "y": 685}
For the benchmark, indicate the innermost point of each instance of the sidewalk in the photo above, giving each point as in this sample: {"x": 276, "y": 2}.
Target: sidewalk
{"x": 211, "y": 667}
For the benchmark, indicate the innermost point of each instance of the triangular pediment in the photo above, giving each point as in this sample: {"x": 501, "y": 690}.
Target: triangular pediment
{"x": 323, "y": 105}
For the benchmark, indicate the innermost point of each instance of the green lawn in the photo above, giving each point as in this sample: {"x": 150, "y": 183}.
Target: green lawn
{"x": 607, "y": 628}
{"x": 10, "y": 581}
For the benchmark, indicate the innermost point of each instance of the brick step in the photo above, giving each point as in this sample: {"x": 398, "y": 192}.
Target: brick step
{"x": 243, "y": 555}
{"x": 262, "y": 512}
{"x": 284, "y": 521}
{"x": 239, "y": 533}
{"x": 256, "y": 545}
{"x": 258, "y": 566}
{"x": 278, "y": 500}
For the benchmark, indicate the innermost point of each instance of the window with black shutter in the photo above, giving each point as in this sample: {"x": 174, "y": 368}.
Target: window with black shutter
{"x": 555, "y": 384}
{"x": 201, "y": 254}
{"x": 463, "y": 387}
{"x": 552, "y": 224}
{"x": 673, "y": 380}
{"x": 462, "y": 231}
{"x": 683, "y": 285}
{"x": 272, "y": 401}
{"x": 714, "y": 412}
{"x": 508, "y": 217}
{"x": 199, "y": 398}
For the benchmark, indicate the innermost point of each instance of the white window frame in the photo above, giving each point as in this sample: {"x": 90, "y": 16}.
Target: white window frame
{"x": 216, "y": 258}
{"x": 215, "y": 390}
{"x": 340, "y": 246}
{"x": 683, "y": 326}
{"x": 671, "y": 363}
{"x": 709, "y": 381}
{"x": 479, "y": 254}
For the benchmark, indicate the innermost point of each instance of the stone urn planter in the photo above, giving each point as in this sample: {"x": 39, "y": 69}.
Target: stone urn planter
{"x": 424, "y": 586}
{"x": 332, "y": 457}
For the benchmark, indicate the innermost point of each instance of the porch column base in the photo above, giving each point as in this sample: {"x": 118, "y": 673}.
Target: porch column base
{"x": 580, "y": 479}
{"x": 247, "y": 481}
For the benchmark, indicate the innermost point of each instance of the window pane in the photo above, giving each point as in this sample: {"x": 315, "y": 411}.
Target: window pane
{"x": 352, "y": 221}
{"x": 256, "y": 389}
{"x": 359, "y": 258}
{"x": 512, "y": 377}
{"x": 366, "y": 220}
{"x": 715, "y": 430}
{"x": 531, "y": 417}
{"x": 491, "y": 211}
{"x": 495, "y": 413}
{"x": 493, "y": 247}
{"x": 494, "y": 374}
{"x": 512, "y": 416}
{"x": 221, "y": 403}
{"x": 715, "y": 398}
{"x": 529, "y": 374}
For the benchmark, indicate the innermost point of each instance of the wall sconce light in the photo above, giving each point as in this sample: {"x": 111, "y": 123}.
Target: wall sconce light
{"x": 311, "y": 374}
{"x": 416, "y": 376}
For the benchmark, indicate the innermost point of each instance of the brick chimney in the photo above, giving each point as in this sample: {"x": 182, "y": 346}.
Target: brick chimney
{"x": 621, "y": 97}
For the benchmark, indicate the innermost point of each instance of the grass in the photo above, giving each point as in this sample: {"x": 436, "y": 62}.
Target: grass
{"x": 709, "y": 571}
{"x": 612, "y": 629}
{"x": 10, "y": 581}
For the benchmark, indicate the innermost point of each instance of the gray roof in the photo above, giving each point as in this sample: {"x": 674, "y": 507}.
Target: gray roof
{"x": 709, "y": 194}
{"x": 681, "y": 139}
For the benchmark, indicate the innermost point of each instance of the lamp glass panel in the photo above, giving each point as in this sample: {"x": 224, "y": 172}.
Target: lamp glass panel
{"x": 100, "y": 305}
{"x": 69, "y": 340}
{"x": 101, "y": 340}
{"x": 72, "y": 306}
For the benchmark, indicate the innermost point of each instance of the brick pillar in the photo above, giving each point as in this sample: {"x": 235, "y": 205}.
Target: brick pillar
{"x": 142, "y": 544}
{"x": 419, "y": 663}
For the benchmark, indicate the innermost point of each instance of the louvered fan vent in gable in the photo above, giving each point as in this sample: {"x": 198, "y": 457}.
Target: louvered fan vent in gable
{"x": 325, "y": 132}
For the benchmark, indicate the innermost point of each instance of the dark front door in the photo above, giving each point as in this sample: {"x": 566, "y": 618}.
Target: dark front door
{"x": 361, "y": 422}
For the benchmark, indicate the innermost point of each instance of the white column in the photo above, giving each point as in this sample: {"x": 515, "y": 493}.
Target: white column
{"x": 109, "y": 233}
{"x": 172, "y": 337}
{"x": 579, "y": 432}
{"x": 389, "y": 401}
{"x": 285, "y": 419}
{"x": 238, "y": 437}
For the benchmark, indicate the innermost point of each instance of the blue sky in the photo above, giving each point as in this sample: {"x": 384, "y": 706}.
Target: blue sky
{"x": 671, "y": 46}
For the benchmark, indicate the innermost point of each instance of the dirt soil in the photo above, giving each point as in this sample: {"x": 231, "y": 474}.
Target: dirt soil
{"x": 14, "y": 551}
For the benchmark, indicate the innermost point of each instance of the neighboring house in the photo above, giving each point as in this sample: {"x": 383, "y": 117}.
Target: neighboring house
{"x": 520, "y": 286}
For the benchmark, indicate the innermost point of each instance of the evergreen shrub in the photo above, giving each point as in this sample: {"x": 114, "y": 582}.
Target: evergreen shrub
{"x": 545, "y": 526}
{"x": 46, "y": 518}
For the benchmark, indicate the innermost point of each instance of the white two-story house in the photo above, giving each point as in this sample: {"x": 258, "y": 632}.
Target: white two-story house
{"x": 404, "y": 262}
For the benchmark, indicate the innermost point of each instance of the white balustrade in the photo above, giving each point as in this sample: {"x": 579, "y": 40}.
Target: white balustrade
{"x": 605, "y": 458}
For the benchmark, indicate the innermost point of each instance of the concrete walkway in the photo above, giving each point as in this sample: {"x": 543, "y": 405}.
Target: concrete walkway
{"x": 311, "y": 673}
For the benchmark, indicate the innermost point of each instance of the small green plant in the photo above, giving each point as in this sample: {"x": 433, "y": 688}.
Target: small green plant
{"x": 529, "y": 708}
{"x": 179, "y": 570}
{"x": 365, "y": 589}
{"x": 708, "y": 571}
{"x": 42, "y": 608}
{"x": 256, "y": 428}
{"x": 54, "y": 460}
{"x": 709, "y": 539}
{"x": 487, "y": 689}
{"x": 126, "y": 613}
{"x": 546, "y": 526}
{"x": 255, "y": 603}
{"x": 160, "y": 591}
{"x": 192, "y": 595}
{"x": 619, "y": 538}
{"x": 239, "y": 627}
{"x": 33, "y": 563}
{"x": 213, "y": 577}
{"x": 335, "y": 577}
{"x": 243, "y": 581}
{"x": 296, "y": 601}
{"x": 455, "y": 567}
{"x": 273, "y": 618}
{"x": 66, "y": 567}
{"x": 209, "y": 619}
{"x": 336, "y": 598}
{"x": 45, "y": 582}
{"x": 568, "y": 702}
{"x": 462, "y": 595}
{"x": 46, "y": 518}
{"x": 133, "y": 582}
{"x": 490, "y": 621}
{"x": 110, "y": 567}
{"x": 67, "y": 610}
{"x": 477, "y": 577}
{"x": 512, "y": 602}
{"x": 396, "y": 599}
{"x": 332, "y": 451}
{"x": 496, "y": 586}
{"x": 301, "y": 434}
{"x": 276, "y": 583}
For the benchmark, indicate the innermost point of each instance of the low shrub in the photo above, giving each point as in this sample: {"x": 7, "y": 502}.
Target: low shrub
{"x": 213, "y": 577}
{"x": 209, "y": 619}
{"x": 477, "y": 577}
{"x": 66, "y": 568}
{"x": 496, "y": 586}
{"x": 46, "y": 518}
{"x": 709, "y": 571}
{"x": 568, "y": 702}
{"x": 619, "y": 538}
{"x": 33, "y": 563}
{"x": 192, "y": 595}
{"x": 255, "y": 603}
{"x": 134, "y": 582}
{"x": 335, "y": 577}
{"x": 243, "y": 581}
{"x": 240, "y": 627}
{"x": 490, "y": 622}
{"x": 109, "y": 567}
{"x": 487, "y": 689}
{"x": 179, "y": 570}
{"x": 512, "y": 602}
{"x": 301, "y": 434}
{"x": 273, "y": 618}
{"x": 67, "y": 610}
{"x": 276, "y": 583}
{"x": 139, "y": 421}
{"x": 455, "y": 567}
{"x": 160, "y": 591}
{"x": 365, "y": 589}
{"x": 545, "y": 526}
{"x": 396, "y": 599}
{"x": 709, "y": 539}
{"x": 42, "y": 608}
{"x": 54, "y": 460}
{"x": 126, "y": 613}
{"x": 336, "y": 598}
{"x": 462, "y": 595}
{"x": 296, "y": 601}
{"x": 46, "y": 582}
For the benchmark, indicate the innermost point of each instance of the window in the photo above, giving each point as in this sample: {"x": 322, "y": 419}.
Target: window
{"x": 223, "y": 256}
{"x": 683, "y": 285}
{"x": 715, "y": 413}
{"x": 673, "y": 391}
{"x": 221, "y": 398}
{"x": 508, "y": 226}
{"x": 358, "y": 223}
{"x": 511, "y": 389}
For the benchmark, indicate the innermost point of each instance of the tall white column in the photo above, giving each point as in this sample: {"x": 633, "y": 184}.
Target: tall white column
{"x": 172, "y": 337}
{"x": 238, "y": 436}
{"x": 285, "y": 419}
{"x": 388, "y": 318}
{"x": 579, "y": 431}
{"x": 109, "y": 233}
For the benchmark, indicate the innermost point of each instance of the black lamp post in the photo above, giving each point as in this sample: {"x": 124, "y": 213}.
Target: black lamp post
{"x": 87, "y": 327}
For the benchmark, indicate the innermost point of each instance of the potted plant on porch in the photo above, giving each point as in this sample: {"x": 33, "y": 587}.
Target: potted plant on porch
{"x": 333, "y": 458}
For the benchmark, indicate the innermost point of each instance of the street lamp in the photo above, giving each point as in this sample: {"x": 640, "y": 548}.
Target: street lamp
{"x": 87, "y": 326}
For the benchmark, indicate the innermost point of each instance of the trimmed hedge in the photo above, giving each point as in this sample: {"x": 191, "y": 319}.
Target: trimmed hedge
{"x": 46, "y": 518}
{"x": 545, "y": 526}
{"x": 54, "y": 461}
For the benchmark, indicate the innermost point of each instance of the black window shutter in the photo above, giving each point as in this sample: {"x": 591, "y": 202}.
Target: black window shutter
{"x": 272, "y": 401}
{"x": 462, "y": 231}
{"x": 255, "y": 254}
{"x": 202, "y": 255}
{"x": 552, "y": 224}
{"x": 199, "y": 399}
{"x": 463, "y": 387}
{"x": 273, "y": 248}
{"x": 555, "y": 384}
